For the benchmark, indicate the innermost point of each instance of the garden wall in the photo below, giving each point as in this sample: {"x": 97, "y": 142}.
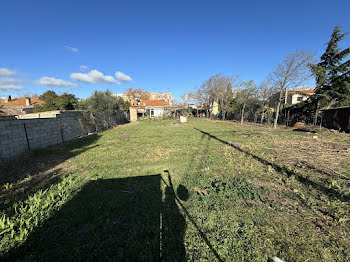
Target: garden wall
{"x": 337, "y": 118}
{"x": 41, "y": 130}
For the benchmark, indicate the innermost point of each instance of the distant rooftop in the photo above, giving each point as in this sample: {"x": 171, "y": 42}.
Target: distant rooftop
{"x": 153, "y": 103}
{"x": 306, "y": 92}
{"x": 21, "y": 102}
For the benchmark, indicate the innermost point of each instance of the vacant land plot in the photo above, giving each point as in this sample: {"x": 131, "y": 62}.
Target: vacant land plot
{"x": 205, "y": 190}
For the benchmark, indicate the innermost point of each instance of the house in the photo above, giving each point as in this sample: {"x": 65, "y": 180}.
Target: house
{"x": 19, "y": 105}
{"x": 291, "y": 97}
{"x": 154, "y": 108}
{"x": 214, "y": 108}
{"x": 297, "y": 96}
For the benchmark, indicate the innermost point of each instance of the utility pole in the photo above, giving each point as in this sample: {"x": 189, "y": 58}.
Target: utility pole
{"x": 285, "y": 106}
{"x": 285, "y": 97}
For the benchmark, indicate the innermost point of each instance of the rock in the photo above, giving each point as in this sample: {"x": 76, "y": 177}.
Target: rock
{"x": 183, "y": 119}
{"x": 315, "y": 137}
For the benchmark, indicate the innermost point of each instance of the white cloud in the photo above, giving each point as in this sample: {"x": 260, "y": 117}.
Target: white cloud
{"x": 7, "y": 72}
{"x": 11, "y": 87}
{"x": 72, "y": 49}
{"x": 84, "y": 68}
{"x": 122, "y": 77}
{"x": 93, "y": 77}
{"x": 51, "y": 81}
{"x": 7, "y": 80}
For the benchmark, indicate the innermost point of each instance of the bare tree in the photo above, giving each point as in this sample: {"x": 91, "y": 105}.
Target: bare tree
{"x": 137, "y": 94}
{"x": 226, "y": 100}
{"x": 246, "y": 96}
{"x": 265, "y": 90}
{"x": 291, "y": 72}
{"x": 217, "y": 88}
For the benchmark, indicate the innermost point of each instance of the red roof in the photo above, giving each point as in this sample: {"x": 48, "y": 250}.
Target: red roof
{"x": 153, "y": 103}
{"x": 306, "y": 92}
{"x": 21, "y": 102}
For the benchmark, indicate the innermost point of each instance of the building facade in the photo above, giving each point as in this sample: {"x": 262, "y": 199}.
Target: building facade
{"x": 153, "y": 108}
{"x": 297, "y": 96}
{"x": 292, "y": 97}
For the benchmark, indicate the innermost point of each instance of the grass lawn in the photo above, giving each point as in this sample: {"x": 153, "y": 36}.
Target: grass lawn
{"x": 206, "y": 190}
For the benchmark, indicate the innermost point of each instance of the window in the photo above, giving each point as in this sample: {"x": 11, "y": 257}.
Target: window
{"x": 299, "y": 98}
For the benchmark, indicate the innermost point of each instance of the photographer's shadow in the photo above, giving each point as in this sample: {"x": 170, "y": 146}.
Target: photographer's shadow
{"x": 173, "y": 223}
{"x": 124, "y": 219}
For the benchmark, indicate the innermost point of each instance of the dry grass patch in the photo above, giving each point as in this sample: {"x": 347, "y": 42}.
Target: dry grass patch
{"x": 330, "y": 158}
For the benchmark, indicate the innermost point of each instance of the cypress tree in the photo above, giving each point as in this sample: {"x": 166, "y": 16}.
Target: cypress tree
{"x": 332, "y": 74}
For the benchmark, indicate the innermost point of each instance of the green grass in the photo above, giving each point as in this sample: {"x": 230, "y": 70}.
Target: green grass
{"x": 206, "y": 190}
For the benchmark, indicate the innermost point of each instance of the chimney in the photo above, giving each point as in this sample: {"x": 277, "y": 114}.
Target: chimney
{"x": 7, "y": 99}
{"x": 28, "y": 101}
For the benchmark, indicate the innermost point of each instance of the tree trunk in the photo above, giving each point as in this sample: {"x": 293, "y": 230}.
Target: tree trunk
{"x": 277, "y": 114}
{"x": 268, "y": 120}
{"x": 285, "y": 115}
{"x": 242, "y": 117}
{"x": 316, "y": 114}
{"x": 255, "y": 117}
{"x": 223, "y": 114}
{"x": 278, "y": 109}
{"x": 262, "y": 115}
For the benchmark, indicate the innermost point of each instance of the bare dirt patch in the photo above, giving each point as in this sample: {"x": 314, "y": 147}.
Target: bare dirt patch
{"x": 316, "y": 155}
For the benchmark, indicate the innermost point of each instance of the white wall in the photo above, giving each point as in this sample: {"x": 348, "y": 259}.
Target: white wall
{"x": 158, "y": 111}
{"x": 295, "y": 98}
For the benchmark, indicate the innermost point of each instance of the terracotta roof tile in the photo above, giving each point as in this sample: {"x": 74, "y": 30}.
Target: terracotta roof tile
{"x": 153, "y": 103}
{"x": 21, "y": 102}
{"x": 307, "y": 92}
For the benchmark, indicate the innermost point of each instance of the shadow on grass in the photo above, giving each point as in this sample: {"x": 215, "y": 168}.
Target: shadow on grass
{"x": 122, "y": 219}
{"x": 182, "y": 194}
{"x": 283, "y": 170}
{"x": 125, "y": 219}
{"x": 38, "y": 170}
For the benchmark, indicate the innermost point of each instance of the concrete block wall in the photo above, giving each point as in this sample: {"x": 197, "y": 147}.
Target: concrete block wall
{"x": 19, "y": 135}
{"x": 43, "y": 132}
{"x": 71, "y": 128}
{"x": 12, "y": 138}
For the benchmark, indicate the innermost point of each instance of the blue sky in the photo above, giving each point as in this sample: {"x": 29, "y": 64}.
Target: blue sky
{"x": 79, "y": 46}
